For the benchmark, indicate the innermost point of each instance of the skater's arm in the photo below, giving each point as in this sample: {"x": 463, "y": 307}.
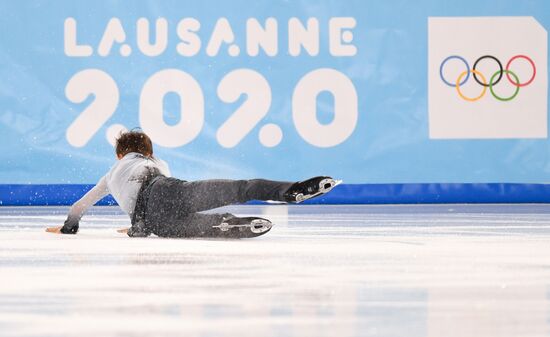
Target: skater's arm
{"x": 78, "y": 209}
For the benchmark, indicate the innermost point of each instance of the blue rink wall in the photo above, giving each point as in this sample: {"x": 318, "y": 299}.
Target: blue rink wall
{"x": 53, "y": 195}
{"x": 370, "y": 92}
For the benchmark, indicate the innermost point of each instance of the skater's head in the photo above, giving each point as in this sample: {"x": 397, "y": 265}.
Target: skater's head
{"x": 133, "y": 141}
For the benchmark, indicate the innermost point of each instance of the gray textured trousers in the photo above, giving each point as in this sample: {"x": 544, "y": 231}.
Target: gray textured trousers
{"x": 171, "y": 206}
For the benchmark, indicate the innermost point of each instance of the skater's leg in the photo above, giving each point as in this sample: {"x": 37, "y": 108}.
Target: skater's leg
{"x": 208, "y": 194}
{"x": 214, "y": 226}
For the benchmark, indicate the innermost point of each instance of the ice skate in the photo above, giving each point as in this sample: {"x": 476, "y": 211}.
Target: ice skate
{"x": 310, "y": 188}
{"x": 246, "y": 227}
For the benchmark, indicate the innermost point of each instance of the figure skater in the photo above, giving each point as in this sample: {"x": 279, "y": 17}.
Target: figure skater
{"x": 169, "y": 207}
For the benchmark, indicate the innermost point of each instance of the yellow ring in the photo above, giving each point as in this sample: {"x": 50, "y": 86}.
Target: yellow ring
{"x": 457, "y": 85}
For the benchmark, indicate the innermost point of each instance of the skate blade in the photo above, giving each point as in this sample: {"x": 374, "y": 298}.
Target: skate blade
{"x": 256, "y": 226}
{"x": 325, "y": 186}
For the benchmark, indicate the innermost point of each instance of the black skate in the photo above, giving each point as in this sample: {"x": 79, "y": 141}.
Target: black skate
{"x": 247, "y": 227}
{"x": 310, "y": 188}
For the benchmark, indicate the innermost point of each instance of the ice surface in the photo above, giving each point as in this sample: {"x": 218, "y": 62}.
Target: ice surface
{"x": 447, "y": 270}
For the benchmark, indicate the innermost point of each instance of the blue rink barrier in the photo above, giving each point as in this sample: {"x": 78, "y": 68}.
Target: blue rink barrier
{"x": 58, "y": 195}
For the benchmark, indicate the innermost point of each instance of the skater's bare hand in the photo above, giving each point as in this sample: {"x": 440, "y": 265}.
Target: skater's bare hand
{"x": 55, "y": 230}
{"x": 123, "y": 230}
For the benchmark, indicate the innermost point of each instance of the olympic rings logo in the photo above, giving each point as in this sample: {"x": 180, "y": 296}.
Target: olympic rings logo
{"x": 494, "y": 79}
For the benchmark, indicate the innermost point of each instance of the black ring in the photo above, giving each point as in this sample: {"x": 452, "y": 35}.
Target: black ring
{"x": 499, "y": 65}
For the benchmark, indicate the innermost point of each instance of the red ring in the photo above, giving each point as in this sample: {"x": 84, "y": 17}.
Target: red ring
{"x": 532, "y": 64}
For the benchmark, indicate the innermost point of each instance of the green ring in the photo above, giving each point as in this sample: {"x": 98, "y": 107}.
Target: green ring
{"x": 491, "y": 86}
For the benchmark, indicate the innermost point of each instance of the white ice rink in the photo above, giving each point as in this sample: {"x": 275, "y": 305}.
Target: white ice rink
{"x": 446, "y": 270}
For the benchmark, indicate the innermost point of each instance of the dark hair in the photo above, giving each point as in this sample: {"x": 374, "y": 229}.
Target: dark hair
{"x": 134, "y": 141}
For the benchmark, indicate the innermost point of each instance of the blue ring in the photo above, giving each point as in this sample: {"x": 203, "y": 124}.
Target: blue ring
{"x": 467, "y": 69}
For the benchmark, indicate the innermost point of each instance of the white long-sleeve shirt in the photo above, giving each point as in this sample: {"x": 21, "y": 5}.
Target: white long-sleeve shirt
{"x": 123, "y": 182}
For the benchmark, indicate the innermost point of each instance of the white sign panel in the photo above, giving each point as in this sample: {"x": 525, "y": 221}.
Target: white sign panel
{"x": 487, "y": 78}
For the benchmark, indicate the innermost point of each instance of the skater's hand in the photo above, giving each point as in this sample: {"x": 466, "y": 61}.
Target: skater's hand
{"x": 55, "y": 230}
{"x": 123, "y": 230}
{"x": 67, "y": 228}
